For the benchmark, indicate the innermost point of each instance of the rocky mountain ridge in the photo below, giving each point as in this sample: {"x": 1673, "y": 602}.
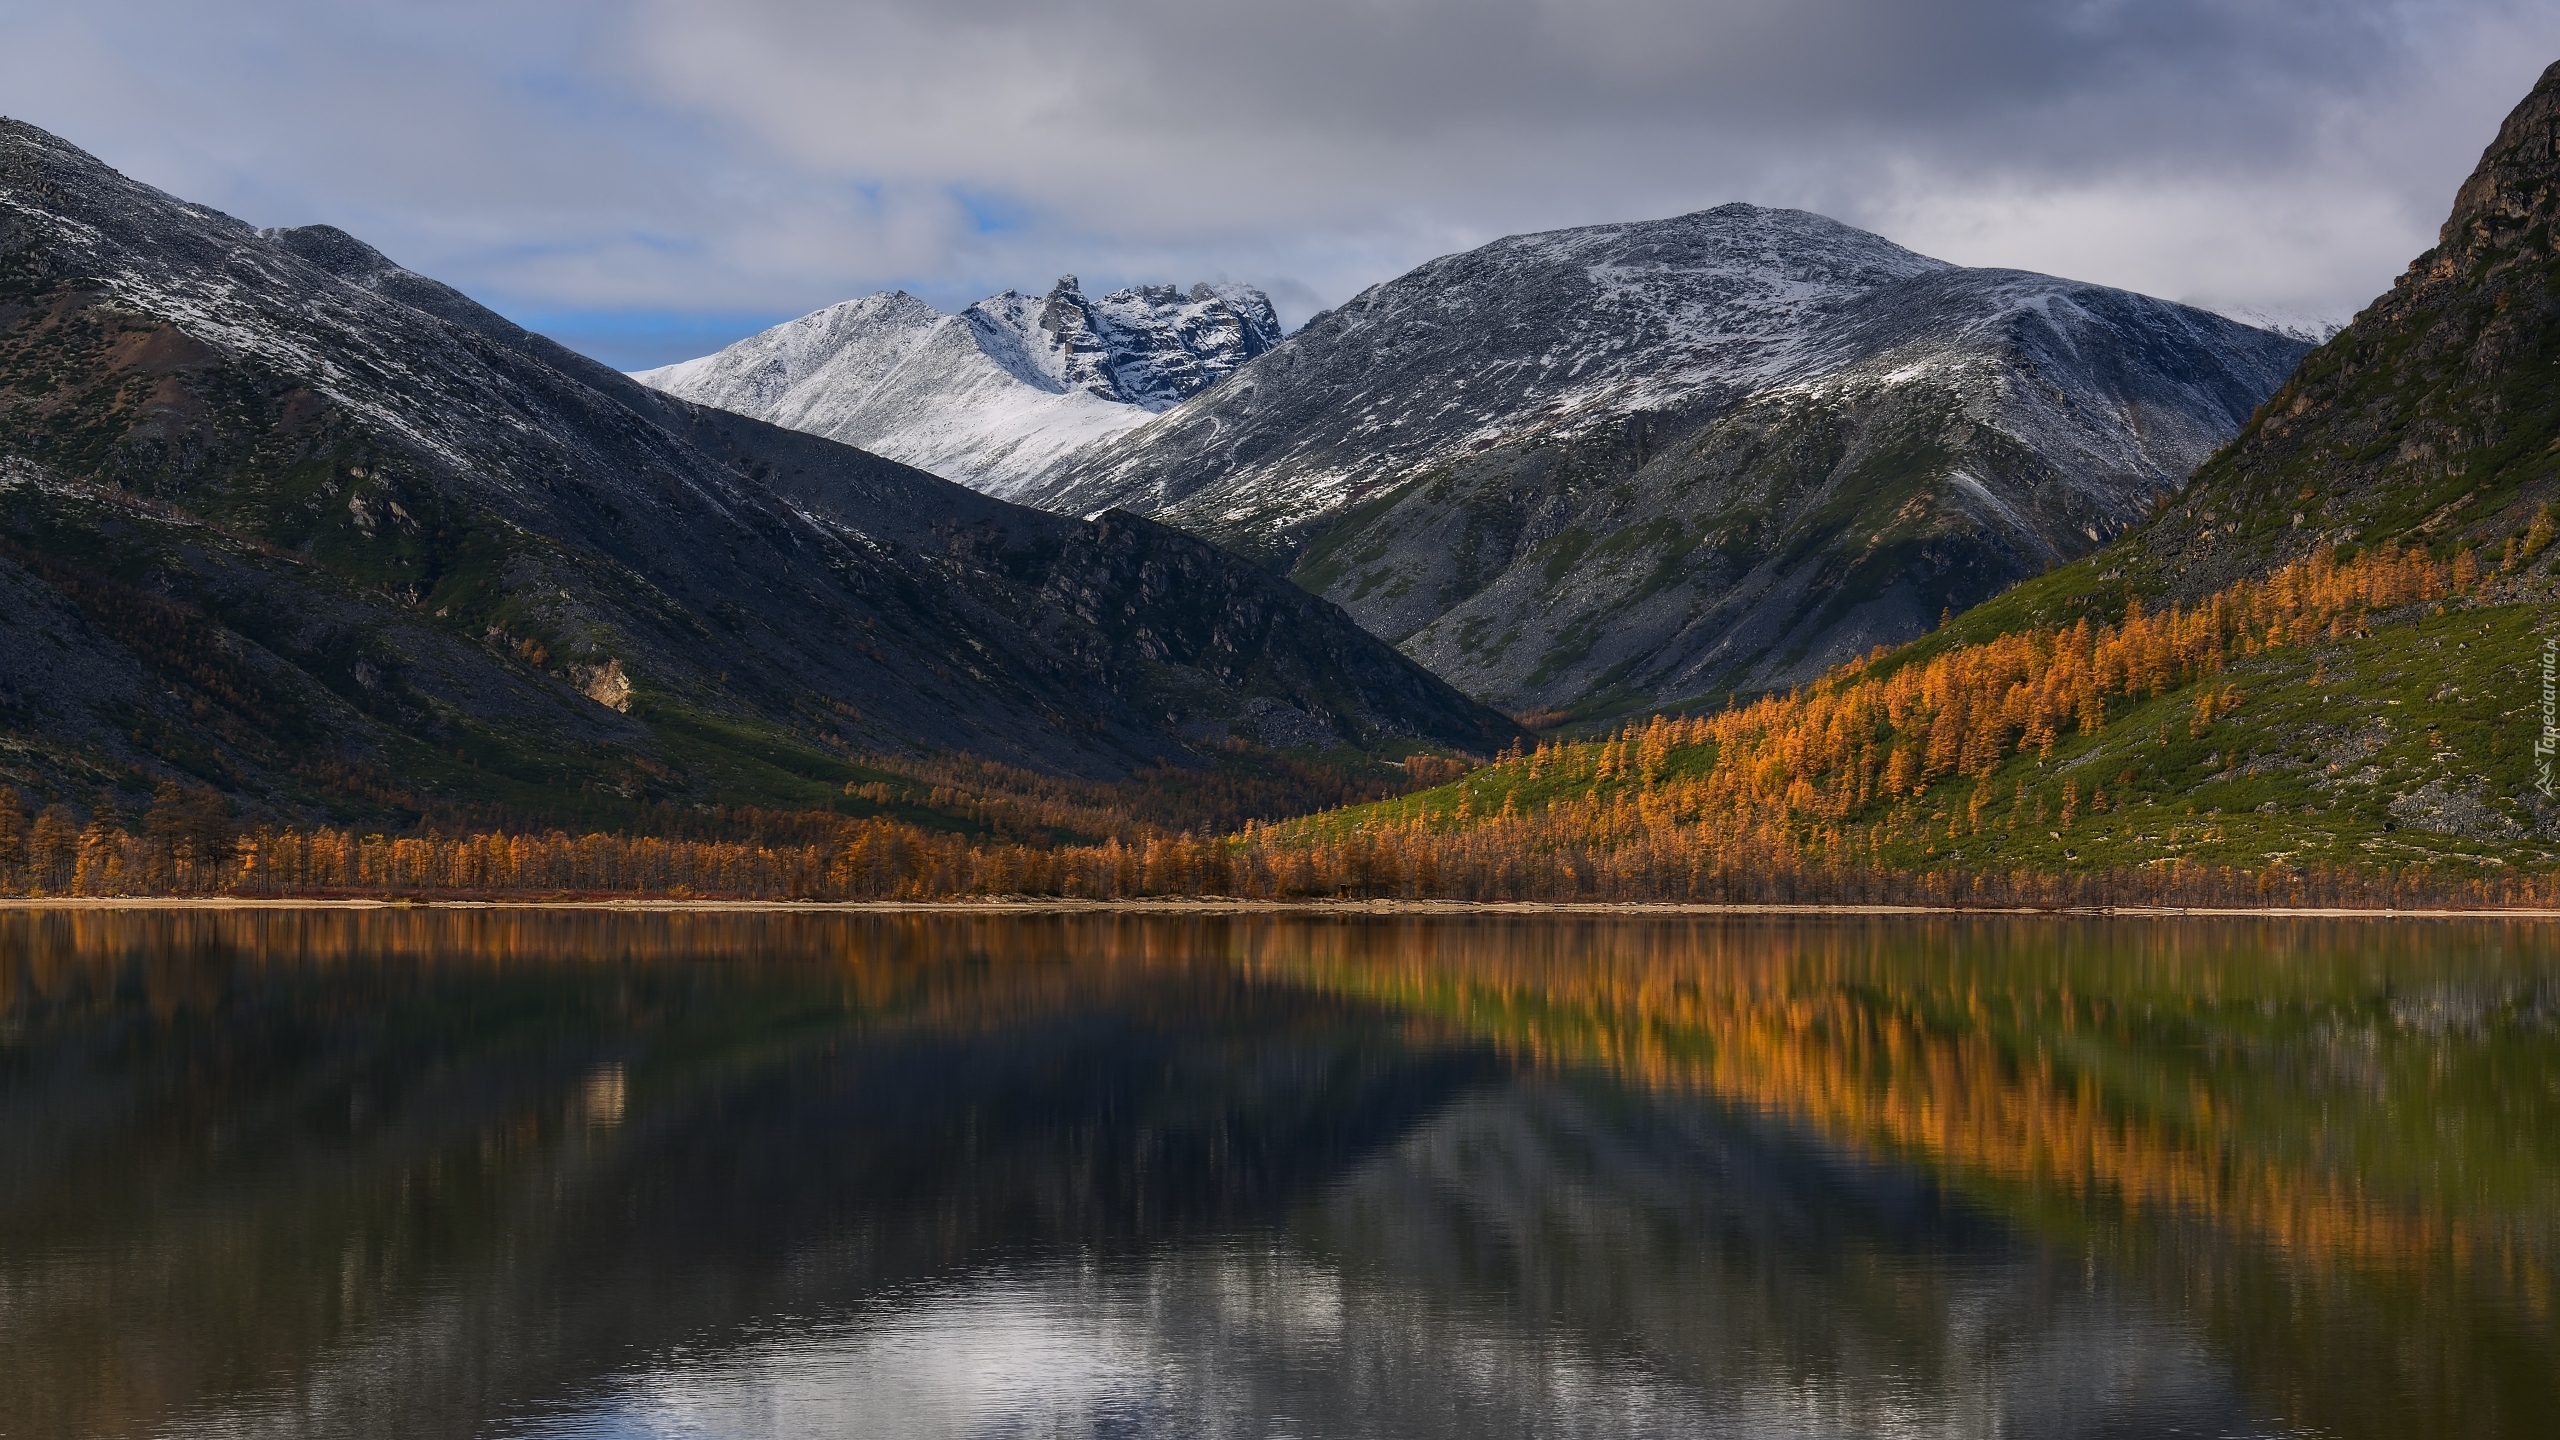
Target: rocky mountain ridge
{"x": 1552, "y": 332}
{"x": 2433, "y": 418}
{"x": 2375, "y": 549}
{"x": 995, "y": 395}
{"x": 281, "y": 515}
{"x": 1629, "y": 465}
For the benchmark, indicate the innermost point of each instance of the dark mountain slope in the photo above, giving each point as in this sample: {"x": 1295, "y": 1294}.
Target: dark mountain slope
{"x": 306, "y": 524}
{"x": 1636, "y": 463}
{"x": 2435, "y": 417}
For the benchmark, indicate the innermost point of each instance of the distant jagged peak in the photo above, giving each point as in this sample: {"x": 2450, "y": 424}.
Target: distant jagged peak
{"x": 1152, "y": 346}
{"x": 995, "y": 394}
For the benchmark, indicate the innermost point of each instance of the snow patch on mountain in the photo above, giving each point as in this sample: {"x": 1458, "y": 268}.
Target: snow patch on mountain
{"x": 994, "y": 396}
{"x": 2312, "y": 327}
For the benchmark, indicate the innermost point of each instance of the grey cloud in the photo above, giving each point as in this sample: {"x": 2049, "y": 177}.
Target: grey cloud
{"x": 621, "y": 165}
{"x": 2184, "y": 140}
{"x": 1164, "y": 77}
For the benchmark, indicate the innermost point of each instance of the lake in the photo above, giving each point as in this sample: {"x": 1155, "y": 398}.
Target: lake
{"x": 542, "y": 1173}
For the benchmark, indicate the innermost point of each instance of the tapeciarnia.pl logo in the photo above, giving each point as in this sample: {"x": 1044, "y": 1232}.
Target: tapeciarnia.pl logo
{"x": 2542, "y": 748}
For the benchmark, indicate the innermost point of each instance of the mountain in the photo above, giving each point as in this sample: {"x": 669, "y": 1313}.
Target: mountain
{"x": 279, "y": 514}
{"x": 1632, "y": 464}
{"x": 2326, "y": 658}
{"x": 2434, "y": 418}
{"x": 994, "y": 395}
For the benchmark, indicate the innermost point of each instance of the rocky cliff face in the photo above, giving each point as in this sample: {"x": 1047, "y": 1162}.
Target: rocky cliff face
{"x": 1152, "y": 346}
{"x": 994, "y": 395}
{"x": 2434, "y": 417}
{"x": 1634, "y": 464}
{"x": 280, "y": 514}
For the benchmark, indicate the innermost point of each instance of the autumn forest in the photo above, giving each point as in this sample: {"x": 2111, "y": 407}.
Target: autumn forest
{"x": 1904, "y": 777}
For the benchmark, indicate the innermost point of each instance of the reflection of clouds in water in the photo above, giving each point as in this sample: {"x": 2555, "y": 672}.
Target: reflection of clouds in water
{"x": 1206, "y": 1342}
{"x": 1037, "y": 1354}
{"x": 1517, "y": 1266}
{"x": 279, "y": 1218}
{"x": 1008, "y": 1356}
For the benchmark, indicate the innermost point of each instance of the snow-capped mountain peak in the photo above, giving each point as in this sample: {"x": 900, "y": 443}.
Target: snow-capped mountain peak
{"x": 994, "y": 395}
{"x": 1689, "y": 456}
{"x": 871, "y": 336}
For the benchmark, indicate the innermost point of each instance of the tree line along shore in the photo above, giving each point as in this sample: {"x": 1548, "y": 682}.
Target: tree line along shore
{"x": 1956, "y": 774}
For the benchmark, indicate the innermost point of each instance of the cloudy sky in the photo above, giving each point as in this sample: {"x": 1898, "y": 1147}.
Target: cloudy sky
{"x": 649, "y": 179}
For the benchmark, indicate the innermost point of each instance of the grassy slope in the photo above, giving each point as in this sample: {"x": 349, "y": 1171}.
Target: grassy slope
{"x": 2305, "y": 771}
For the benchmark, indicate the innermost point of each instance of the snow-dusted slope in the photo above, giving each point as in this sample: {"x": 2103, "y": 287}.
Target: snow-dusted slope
{"x": 1545, "y": 332}
{"x": 380, "y": 523}
{"x": 2312, "y": 327}
{"x": 995, "y": 395}
{"x": 1642, "y": 462}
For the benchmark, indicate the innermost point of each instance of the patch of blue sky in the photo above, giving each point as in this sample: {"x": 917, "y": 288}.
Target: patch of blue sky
{"x": 638, "y": 339}
{"x": 991, "y": 212}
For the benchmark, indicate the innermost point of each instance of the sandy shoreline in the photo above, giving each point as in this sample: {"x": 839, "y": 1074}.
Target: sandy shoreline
{"x": 1221, "y": 906}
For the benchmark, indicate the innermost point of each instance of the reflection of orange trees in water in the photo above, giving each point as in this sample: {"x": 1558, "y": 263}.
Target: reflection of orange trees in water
{"x": 1949, "y": 1041}
{"x": 1814, "y": 1025}
{"x": 964, "y": 972}
{"x": 1821, "y": 1023}
{"x": 1818, "y": 1022}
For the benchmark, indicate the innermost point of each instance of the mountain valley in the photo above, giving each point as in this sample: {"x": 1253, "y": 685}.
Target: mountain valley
{"x": 279, "y": 516}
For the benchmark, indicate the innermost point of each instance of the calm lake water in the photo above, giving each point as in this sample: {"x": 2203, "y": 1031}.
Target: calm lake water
{"x": 524, "y": 1173}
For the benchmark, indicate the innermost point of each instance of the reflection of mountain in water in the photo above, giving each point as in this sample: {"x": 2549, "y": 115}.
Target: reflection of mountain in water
{"x": 1779, "y": 1286}
{"x": 1531, "y": 1260}
{"x": 2250, "y": 1114}
{"x": 440, "y": 1188}
{"x": 438, "y": 1173}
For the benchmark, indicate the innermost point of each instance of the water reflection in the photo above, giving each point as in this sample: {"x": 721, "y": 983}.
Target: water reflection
{"x": 538, "y": 1173}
